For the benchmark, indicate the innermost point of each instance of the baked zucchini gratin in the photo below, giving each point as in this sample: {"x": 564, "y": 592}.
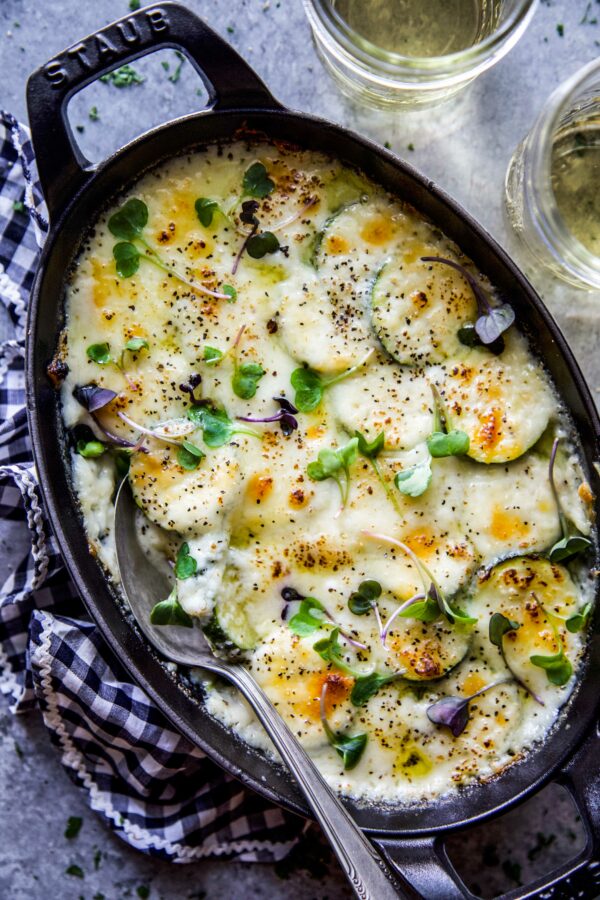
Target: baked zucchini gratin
{"x": 355, "y": 472}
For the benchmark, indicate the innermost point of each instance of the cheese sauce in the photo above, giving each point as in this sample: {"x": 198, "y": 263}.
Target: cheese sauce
{"x": 251, "y": 277}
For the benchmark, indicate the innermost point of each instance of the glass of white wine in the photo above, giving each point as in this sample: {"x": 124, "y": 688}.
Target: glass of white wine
{"x": 553, "y": 182}
{"x": 411, "y": 53}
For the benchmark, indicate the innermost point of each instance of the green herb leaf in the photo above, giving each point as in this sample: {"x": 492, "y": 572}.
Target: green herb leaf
{"x": 349, "y": 747}
{"x": 123, "y": 77}
{"x": 130, "y": 220}
{"x": 363, "y": 600}
{"x": 578, "y": 621}
{"x": 366, "y": 686}
{"x": 127, "y": 259}
{"x": 73, "y": 828}
{"x": 310, "y": 617}
{"x": 143, "y": 891}
{"x": 134, "y": 4}
{"x": 93, "y": 114}
{"x": 244, "y": 381}
{"x": 185, "y": 564}
{"x": 258, "y": 245}
{"x": 99, "y": 353}
{"x": 212, "y": 356}
{"x": 372, "y": 449}
{"x": 174, "y": 78}
{"x": 426, "y": 610}
{"x": 309, "y": 389}
{"x": 453, "y": 613}
{"x": 454, "y": 443}
{"x": 137, "y": 344}
{"x": 557, "y": 667}
{"x": 90, "y": 449}
{"x": 75, "y": 870}
{"x": 415, "y": 480}
{"x": 217, "y": 427}
{"x": 569, "y": 547}
{"x": 189, "y": 456}
{"x": 256, "y": 181}
{"x": 205, "y": 210}
{"x": 170, "y": 612}
{"x": 499, "y": 626}
{"x": 468, "y": 336}
{"x": 122, "y": 463}
{"x": 329, "y": 649}
{"x": 230, "y": 291}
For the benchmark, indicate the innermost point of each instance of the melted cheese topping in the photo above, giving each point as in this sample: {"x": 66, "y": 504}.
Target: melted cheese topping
{"x": 348, "y": 280}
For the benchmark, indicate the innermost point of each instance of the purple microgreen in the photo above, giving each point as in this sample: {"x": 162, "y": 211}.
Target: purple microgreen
{"x": 453, "y": 712}
{"x": 286, "y": 418}
{"x": 571, "y": 544}
{"x": 240, "y": 252}
{"x": 492, "y": 321}
{"x": 248, "y": 213}
{"x": 498, "y": 627}
{"x": 92, "y": 397}
{"x": 349, "y": 747}
{"x": 191, "y": 386}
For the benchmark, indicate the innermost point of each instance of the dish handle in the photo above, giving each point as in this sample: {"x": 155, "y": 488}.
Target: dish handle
{"x": 423, "y": 861}
{"x": 230, "y": 82}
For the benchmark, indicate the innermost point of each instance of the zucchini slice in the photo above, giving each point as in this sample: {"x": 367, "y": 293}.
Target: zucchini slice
{"x": 230, "y": 628}
{"x": 189, "y": 502}
{"x": 417, "y": 310}
{"x": 357, "y": 237}
{"x": 427, "y": 651}
{"x": 528, "y": 590}
{"x": 503, "y": 403}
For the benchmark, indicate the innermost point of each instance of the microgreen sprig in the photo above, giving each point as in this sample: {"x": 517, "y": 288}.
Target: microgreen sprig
{"x": 311, "y": 616}
{"x": 370, "y": 450}
{"x": 431, "y": 589}
{"x": 499, "y": 626}
{"x": 310, "y": 387}
{"x": 128, "y": 224}
{"x": 101, "y": 355}
{"x": 335, "y": 464}
{"x": 453, "y": 712}
{"x": 492, "y": 321}
{"x": 170, "y": 611}
{"x": 571, "y": 543}
{"x": 349, "y": 747}
{"x": 443, "y": 441}
{"x": 557, "y": 666}
{"x": 217, "y": 428}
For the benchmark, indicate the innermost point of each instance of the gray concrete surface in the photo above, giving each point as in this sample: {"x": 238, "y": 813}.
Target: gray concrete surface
{"x": 465, "y": 147}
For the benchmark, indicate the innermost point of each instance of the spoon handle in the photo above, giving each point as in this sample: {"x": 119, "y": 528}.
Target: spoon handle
{"x": 364, "y": 868}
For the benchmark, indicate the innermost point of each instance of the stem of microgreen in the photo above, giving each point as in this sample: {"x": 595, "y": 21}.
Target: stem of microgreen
{"x": 425, "y": 573}
{"x": 152, "y": 256}
{"x": 236, "y": 261}
{"x": 388, "y": 491}
{"x": 350, "y": 371}
{"x": 414, "y": 599}
{"x": 561, "y": 516}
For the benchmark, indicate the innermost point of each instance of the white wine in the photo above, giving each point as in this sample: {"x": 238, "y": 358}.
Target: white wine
{"x": 575, "y": 173}
{"x": 424, "y": 28}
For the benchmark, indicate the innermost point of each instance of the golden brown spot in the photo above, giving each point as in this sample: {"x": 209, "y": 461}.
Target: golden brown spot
{"x": 298, "y": 499}
{"x": 506, "y": 525}
{"x": 585, "y": 492}
{"x": 377, "y": 231}
{"x": 338, "y": 689}
{"x": 315, "y": 431}
{"x": 489, "y": 433}
{"x": 419, "y": 299}
{"x": 259, "y": 487}
{"x": 422, "y": 541}
{"x": 337, "y": 245}
{"x": 472, "y": 683}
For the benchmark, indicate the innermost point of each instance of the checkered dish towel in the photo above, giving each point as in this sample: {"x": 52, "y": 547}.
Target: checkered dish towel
{"x": 156, "y": 790}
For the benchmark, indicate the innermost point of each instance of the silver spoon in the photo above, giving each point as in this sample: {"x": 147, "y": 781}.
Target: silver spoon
{"x": 144, "y": 586}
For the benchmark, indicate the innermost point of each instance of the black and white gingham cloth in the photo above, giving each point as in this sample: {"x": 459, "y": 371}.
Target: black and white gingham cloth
{"x": 156, "y": 790}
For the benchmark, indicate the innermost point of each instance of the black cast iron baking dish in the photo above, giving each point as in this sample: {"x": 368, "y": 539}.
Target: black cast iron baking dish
{"x": 238, "y": 101}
